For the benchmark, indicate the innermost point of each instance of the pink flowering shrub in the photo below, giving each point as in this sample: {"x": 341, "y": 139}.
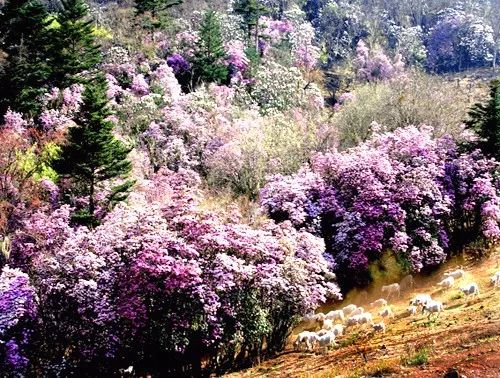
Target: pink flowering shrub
{"x": 162, "y": 279}
{"x": 376, "y": 65}
{"x": 404, "y": 191}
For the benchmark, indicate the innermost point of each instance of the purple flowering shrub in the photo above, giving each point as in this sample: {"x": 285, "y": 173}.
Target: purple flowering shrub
{"x": 404, "y": 191}
{"x": 375, "y": 65}
{"x": 18, "y": 311}
{"x": 161, "y": 279}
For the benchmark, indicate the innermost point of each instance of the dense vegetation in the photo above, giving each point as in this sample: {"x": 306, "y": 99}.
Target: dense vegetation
{"x": 182, "y": 186}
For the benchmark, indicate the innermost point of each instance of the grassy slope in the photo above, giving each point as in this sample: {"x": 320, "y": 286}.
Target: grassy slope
{"x": 466, "y": 336}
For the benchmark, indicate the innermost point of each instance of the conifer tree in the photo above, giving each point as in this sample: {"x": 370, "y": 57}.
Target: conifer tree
{"x": 208, "y": 61}
{"x": 74, "y": 45}
{"x": 484, "y": 119}
{"x": 154, "y": 6}
{"x": 25, "y": 40}
{"x": 250, "y": 11}
{"x": 93, "y": 158}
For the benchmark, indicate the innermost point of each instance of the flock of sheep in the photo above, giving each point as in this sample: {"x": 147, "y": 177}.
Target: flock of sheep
{"x": 353, "y": 315}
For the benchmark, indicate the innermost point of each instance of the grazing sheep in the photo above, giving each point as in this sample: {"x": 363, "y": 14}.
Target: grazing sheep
{"x": 456, "y": 274}
{"x": 407, "y": 282}
{"x": 446, "y": 283}
{"x": 338, "y": 330}
{"x": 420, "y": 299}
{"x": 305, "y": 337}
{"x": 327, "y": 324}
{"x": 386, "y": 312}
{"x": 352, "y": 320}
{"x": 471, "y": 289}
{"x": 365, "y": 317}
{"x": 432, "y": 307}
{"x": 347, "y": 310}
{"x": 379, "y": 327}
{"x": 358, "y": 311}
{"x": 326, "y": 340}
{"x": 312, "y": 321}
{"x": 495, "y": 279}
{"x": 128, "y": 370}
{"x": 334, "y": 315}
{"x": 391, "y": 289}
{"x": 412, "y": 310}
{"x": 379, "y": 303}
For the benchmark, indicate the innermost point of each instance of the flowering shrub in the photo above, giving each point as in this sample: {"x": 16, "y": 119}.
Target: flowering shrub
{"x": 163, "y": 279}
{"x": 375, "y": 65}
{"x": 403, "y": 191}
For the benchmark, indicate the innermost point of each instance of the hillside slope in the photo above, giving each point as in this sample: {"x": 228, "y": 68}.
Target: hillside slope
{"x": 465, "y": 338}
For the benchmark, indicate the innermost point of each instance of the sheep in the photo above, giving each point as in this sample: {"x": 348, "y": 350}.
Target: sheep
{"x": 327, "y": 324}
{"x": 312, "y": 321}
{"x": 338, "y": 330}
{"x": 305, "y": 337}
{"x": 456, "y": 274}
{"x": 127, "y": 371}
{"x": 432, "y": 307}
{"x": 495, "y": 279}
{"x": 365, "y": 317}
{"x": 471, "y": 289}
{"x": 407, "y": 282}
{"x": 379, "y": 327}
{"x": 326, "y": 340}
{"x": 386, "y": 312}
{"x": 412, "y": 310}
{"x": 420, "y": 299}
{"x": 352, "y": 320}
{"x": 379, "y": 303}
{"x": 358, "y": 311}
{"x": 334, "y": 315}
{"x": 347, "y": 310}
{"x": 391, "y": 289}
{"x": 446, "y": 283}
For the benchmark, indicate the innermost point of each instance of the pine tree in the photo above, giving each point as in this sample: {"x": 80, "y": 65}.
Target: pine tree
{"x": 250, "y": 11}
{"x": 93, "y": 157}
{"x": 154, "y": 6}
{"x": 208, "y": 61}
{"x": 25, "y": 41}
{"x": 74, "y": 45}
{"x": 484, "y": 119}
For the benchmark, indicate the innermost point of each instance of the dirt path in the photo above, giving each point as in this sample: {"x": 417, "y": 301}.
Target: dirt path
{"x": 463, "y": 341}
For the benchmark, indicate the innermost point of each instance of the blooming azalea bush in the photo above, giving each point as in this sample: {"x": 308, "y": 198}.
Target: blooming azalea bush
{"x": 161, "y": 278}
{"x": 404, "y": 190}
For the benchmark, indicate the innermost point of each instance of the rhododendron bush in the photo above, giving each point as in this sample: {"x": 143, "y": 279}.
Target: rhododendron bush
{"x": 403, "y": 191}
{"x": 159, "y": 279}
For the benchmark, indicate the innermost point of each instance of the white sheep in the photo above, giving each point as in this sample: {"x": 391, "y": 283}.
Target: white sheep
{"x": 312, "y": 321}
{"x": 379, "y": 303}
{"x": 327, "y": 324}
{"x": 391, "y": 289}
{"x": 495, "y": 279}
{"x": 335, "y": 314}
{"x": 326, "y": 340}
{"x": 338, "y": 330}
{"x": 386, "y": 312}
{"x": 127, "y": 371}
{"x": 358, "y": 311}
{"x": 407, "y": 282}
{"x": 379, "y": 327}
{"x": 305, "y": 337}
{"x": 347, "y": 310}
{"x": 365, "y": 317}
{"x": 447, "y": 283}
{"x": 412, "y": 310}
{"x": 471, "y": 289}
{"x": 420, "y": 299}
{"x": 456, "y": 274}
{"x": 352, "y": 320}
{"x": 432, "y": 307}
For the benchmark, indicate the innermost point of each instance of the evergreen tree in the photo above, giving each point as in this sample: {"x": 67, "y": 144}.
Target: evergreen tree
{"x": 484, "y": 119}
{"x": 25, "y": 41}
{"x": 154, "y": 6}
{"x": 93, "y": 157}
{"x": 208, "y": 60}
{"x": 250, "y": 11}
{"x": 74, "y": 45}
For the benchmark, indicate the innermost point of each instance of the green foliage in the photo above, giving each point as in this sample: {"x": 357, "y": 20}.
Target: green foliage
{"x": 93, "y": 157}
{"x": 420, "y": 357}
{"x": 74, "y": 44}
{"x": 25, "y": 40}
{"x": 154, "y": 6}
{"x": 484, "y": 119}
{"x": 208, "y": 60}
{"x": 250, "y": 11}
